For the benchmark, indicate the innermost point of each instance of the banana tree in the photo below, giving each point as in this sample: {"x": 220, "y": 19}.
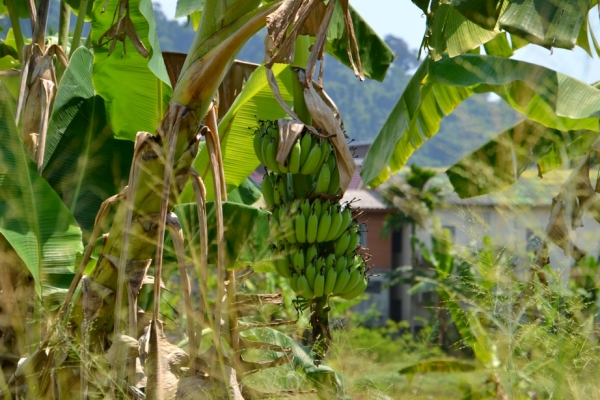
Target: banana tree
{"x": 469, "y": 46}
{"x": 84, "y": 109}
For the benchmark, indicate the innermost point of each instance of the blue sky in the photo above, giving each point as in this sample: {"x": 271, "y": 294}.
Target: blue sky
{"x": 403, "y": 19}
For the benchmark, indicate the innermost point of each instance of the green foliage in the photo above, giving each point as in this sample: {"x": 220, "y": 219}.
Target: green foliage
{"x": 83, "y": 162}
{"x": 32, "y": 217}
{"x": 135, "y": 89}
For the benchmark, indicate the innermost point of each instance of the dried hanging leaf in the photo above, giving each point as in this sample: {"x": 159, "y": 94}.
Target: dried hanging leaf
{"x": 289, "y": 131}
{"x": 278, "y": 25}
{"x": 155, "y": 350}
{"x": 174, "y": 63}
{"x": 122, "y": 349}
{"x": 313, "y": 22}
{"x": 323, "y": 116}
{"x": 121, "y": 28}
{"x": 233, "y": 83}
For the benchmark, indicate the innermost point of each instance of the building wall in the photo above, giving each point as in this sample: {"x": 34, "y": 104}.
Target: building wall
{"x": 381, "y": 251}
{"x": 380, "y": 248}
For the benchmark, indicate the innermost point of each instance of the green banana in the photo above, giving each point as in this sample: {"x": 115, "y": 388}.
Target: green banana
{"x": 342, "y": 244}
{"x": 311, "y": 253}
{"x": 323, "y": 180}
{"x": 294, "y": 283}
{"x": 325, "y": 151}
{"x": 305, "y": 146}
{"x": 311, "y": 227}
{"x": 282, "y": 187}
{"x": 330, "y": 281}
{"x": 340, "y": 264}
{"x": 304, "y": 288}
{"x": 282, "y": 266}
{"x": 329, "y": 261}
{"x": 334, "y": 182}
{"x": 300, "y": 228}
{"x": 341, "y": 282}
{"x": 311, "y": 273}
{"x": 346, "y": 218}
{"x": 324, "y": 225}
{"x": 354, "y": 277}
{"x": 298, "y": 262}
{"x": 354, "y": 239}
{"x": 305, "y": 207}
{"x": 257, "y": 142}
{"x": 267, "y": 191}
{"x": 357, "y": 290}
{"x": 318, "y": 207}
{"x": 269, "y": 155}
{"x": 274, "y": 224}
{"x": 276, "y": 195}
{"x": 312, "y": 162}
{"x": 294, "y": 158}
{"x": 336, "y": 221}
{"x": 319, "y": 287}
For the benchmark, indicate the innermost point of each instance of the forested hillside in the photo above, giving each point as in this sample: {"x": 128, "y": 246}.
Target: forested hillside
{"x": 365, "y": 105}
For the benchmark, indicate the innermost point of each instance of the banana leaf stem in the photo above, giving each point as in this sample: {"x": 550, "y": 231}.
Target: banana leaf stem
{"x": 83, "y": 5}
{"x": 63, "y": 34}
{"x": 16, "y": 26}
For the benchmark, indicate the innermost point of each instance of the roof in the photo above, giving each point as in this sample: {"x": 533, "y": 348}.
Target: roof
{"x": 364, "y": 199}
{"x": 529, "y": 191}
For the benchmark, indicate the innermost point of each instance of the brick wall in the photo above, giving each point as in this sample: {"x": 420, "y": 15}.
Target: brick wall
{"x": 380, "y": 249}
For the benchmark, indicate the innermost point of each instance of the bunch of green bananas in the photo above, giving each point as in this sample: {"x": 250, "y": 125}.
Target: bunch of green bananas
{"x": 315, "y": 239}
{"x": 312, "y": 275}
{"x": 307, "y": 157}
{"x": 312, "y": 221}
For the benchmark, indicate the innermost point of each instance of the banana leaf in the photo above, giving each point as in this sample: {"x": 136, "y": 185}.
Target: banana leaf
{"x": 545, "y": 96}
{"x": 33, "y": 219}
{"x": 236, "y": 129}
{"x": 498, "y": 164}
{"x": 83, "y": 162}
{"x": 375, "y": 55}
{"x": 135, "y": 89}
{"x": 545, "y": 22}
{"x": 325, "y": 379}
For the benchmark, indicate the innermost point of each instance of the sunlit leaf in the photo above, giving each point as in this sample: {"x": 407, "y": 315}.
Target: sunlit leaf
{"x": 237, "y": 127}
{"x": 545, "y": 96}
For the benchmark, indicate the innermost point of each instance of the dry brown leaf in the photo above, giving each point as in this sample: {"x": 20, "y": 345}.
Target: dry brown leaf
{"x": 122, "y": 349}
{"x": 289, "y": 131}
{"x": 174, "y": 63}
{"x": 559, "y": 233}
{"x": 120, "y": 29}
{"x": 352, "y": 46}
{"x": 154, "y": 355}
{"x": 313, "y": 22}
{"x": 233, "y": 83}
{"x": 323, "y": 116}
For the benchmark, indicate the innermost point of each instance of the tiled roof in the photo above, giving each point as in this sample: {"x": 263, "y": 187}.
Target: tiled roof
{"x": 364, "y": 199}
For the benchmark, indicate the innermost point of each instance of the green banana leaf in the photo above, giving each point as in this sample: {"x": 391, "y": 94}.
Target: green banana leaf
{"x": 247, "y": 193}
{"x": 246, "y": 234}
{"x": 482, "y": 12}
{"x": 32, "y": 217}
{"x": 325, "y": 379}
{"x": 455, "y": 34}
{"x": 190, "y": 8}
{"x": 20, "y": 6}
{"x": 236, "y": 129}
{"x": 437, "y": 88}
{"x": 83, "y": 162}
{"x": 375, "y": 55}
{"x": 545, "y": 22}
{"x": 136, "y": 90}
{"x": 497, "y": 164}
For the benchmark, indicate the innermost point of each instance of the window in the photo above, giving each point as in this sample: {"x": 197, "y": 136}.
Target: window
{"x": 363, "y": 235}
